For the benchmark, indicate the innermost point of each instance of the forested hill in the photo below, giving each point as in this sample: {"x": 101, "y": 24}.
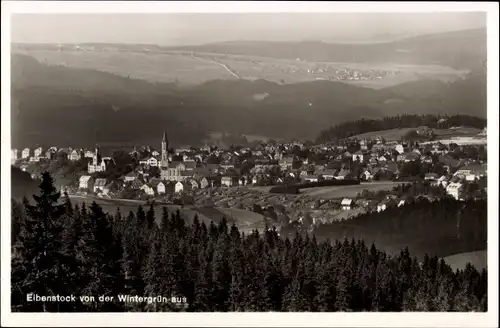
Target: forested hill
{"x": 352, "y": 128}
{"x": 460, "y": 49}
{"x": 90, "y": 106}
{"x": 438, "y": 228}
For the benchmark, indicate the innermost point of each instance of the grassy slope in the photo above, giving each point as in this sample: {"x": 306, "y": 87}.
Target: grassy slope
{"x": 458, "y": 261}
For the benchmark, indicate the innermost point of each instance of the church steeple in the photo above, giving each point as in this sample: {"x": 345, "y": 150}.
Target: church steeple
{"x": 164, "y": 150}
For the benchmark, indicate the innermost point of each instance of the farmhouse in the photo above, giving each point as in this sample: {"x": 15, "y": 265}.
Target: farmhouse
{"x": 75, "y": 155}
{"x": 148, "y": 189}
{"x": 357, "y": 156}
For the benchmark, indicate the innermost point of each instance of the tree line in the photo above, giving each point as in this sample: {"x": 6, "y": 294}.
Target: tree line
{"x": 62, "y": 249}
{"x": 352, "y": 128}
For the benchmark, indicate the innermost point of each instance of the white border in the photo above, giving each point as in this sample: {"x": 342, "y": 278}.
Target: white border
{"x": 489, "y": 319}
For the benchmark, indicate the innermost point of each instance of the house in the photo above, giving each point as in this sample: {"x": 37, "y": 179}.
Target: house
{"x": 399, "y": 148}
{"x": 25, "y": 153}
{"x": 88, "y": 154}
{"x": 99, "y": 185}
{"x": 148, "y": 189}
{"x": 194, "y": 184}
{"x": 204, "y": 183}
{"x": 310, "y": 178}
{"x": 74, "y": 155}
{"x": 382, "y": 159}
{"x": 347, "y": 204}
{"x": 343, "y": 174}
{"x": 402, "y": 202}
{"x": 431, "y": 176}
{"x": 131, "y": 176}
{"x": 179, "y": 187}
{"x": 229, "y": 181}
{"x": 357, "y": 156}
{"x": 14, "y": 153}
{"x": 366, "y": 175}
{"x": 38, "y": 152}
{"x": 385, "y": 204}
{"x": 424, "y": 130}
{"x": 136, "y": 184}
{"x": 443, "y": 181}
{"x": 454, "y": 189}
{"x": 86, "y": 182}
{"x": 287, "y": 162}
{"x": 161, "y": 188}
{"x": 150, "y": 161}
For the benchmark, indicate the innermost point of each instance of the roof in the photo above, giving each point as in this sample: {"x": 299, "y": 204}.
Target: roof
{"x": 346, "y": 201}
{"x": 100, "y": 182}
{"x": 189, "y": 164}
{"x": 85, "y": 178}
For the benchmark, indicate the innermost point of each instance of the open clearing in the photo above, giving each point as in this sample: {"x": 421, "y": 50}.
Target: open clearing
{"x": 185, "y": 68}
{"x": 246, "y": 220}
{"x": 479, "y": 259}
{"x": 348, "y": 191}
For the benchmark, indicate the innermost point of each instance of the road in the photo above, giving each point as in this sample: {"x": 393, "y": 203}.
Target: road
{"x": 220, "y": 64}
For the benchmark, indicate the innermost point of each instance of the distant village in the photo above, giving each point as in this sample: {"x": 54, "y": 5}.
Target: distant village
{"x": 241, "y": 177}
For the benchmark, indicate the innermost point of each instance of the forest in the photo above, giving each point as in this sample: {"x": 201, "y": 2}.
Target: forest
{"x": 352, "y": 128}
{"x": 61, "y": 249}
{"x": 438, "y": 227}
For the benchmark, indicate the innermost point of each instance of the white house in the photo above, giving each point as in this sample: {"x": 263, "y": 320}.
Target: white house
{"x": 25, "y": 153}
{"x": 367, "y": 175}
{"x": 347, "y": 204}
{"x": 148, "y": 189}
{"x": 38, "y": 152}
{"x": 86, "y": 182}
{"x": 151, "y": 161}
{"x": 194, "y": 184}
{"x": 399, "y": 148}
{"x": 454, "y": 189}
{"x": 99, "y": 185}
{"x": 179, "y": 187}
{"x": 357, "y": 156}
{"x": 161, "y": 188}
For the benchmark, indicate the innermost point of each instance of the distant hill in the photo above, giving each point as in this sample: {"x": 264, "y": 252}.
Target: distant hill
{"x": 88, "y": 106}
{"x": 458, "y": 49}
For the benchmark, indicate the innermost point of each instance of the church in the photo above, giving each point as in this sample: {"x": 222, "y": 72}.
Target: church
{"x": 98, "y": 164}
{"x": 176, "y": 172}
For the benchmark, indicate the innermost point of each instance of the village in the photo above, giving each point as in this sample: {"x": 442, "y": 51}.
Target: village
{"x": 242, "y": 178}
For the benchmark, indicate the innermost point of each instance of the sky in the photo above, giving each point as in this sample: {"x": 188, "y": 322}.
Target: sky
{"x": 185, "y": 29}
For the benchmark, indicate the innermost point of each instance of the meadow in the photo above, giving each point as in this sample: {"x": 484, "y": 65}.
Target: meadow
{"x": 478, "y": 259}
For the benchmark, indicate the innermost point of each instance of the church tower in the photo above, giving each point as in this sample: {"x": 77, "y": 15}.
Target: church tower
{"x": 97, "y": 156}
{"x": 164, "y": 171}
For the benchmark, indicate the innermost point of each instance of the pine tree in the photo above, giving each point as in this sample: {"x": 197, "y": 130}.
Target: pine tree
{"x": 38, "y": 266}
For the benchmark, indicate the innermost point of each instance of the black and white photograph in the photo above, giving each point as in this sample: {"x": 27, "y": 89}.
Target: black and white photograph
{"x": 249, "y": 164}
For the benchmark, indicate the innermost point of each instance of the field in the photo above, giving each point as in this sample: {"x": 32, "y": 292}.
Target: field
{"x": 348, "y": 191}
{"x": 388, "y": 135}
{"x": 184, "y": 68}
{"x": 478, "y": 259}
{"x": 247, "y": 220}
